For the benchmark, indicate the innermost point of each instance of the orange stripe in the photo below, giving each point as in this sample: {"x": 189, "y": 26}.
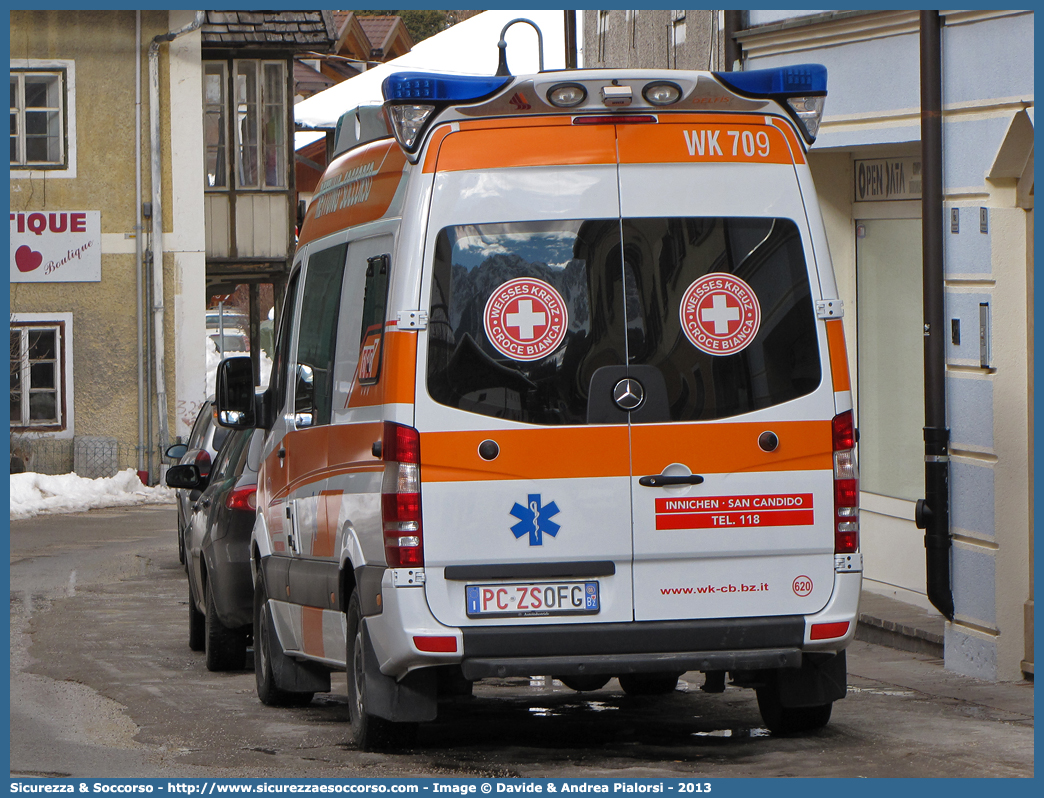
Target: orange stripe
{"x": 305, "y": 453}
{"x": 357, "y": 187}
{"x": 527, "y": 146}
{"x": 559, "y": 120}
{"x": 703, "y": 142}
{"x": 397, "y": 382}
{"x": 327, "y": 513}
{"x": 796, "y": 147}
{"x": 838, "y": 355}
{"x": 724, "y": 448}
{"x": 538, "y": 453}
{"x": 312, "y": 631}
{"x": 579, "y": 452}
{"x": 434, "y": 143}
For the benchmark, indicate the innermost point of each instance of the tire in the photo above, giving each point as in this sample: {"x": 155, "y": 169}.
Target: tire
{"x": 783, "y": 720}
{"x": 584, "y": 684}
{"x": 225, "y": 648}
{"x": 649, "y": 683}
{"x": 181, "y": 545}
{"x": 197, "y": 626}
{"x": 369, "y": 732}
{"x": 264, "y": 639}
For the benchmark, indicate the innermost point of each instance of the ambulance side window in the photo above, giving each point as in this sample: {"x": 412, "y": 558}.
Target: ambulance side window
{"x": 375, "y": 299}
{"x": 282, "y": 344}
{"x": 320, "y": 305}
{"x": 360, "y": 333}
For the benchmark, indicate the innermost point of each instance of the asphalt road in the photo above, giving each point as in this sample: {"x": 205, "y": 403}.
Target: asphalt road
{"x": 103, "y": 684}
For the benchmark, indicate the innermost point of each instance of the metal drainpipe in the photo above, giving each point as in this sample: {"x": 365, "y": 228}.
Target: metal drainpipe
{"x": 734, "y": 22}
{"x": 138, "y": 231}
{"x": 933, "y": 511}
{"x": 157, "y": 220}
{"x": 570, "y": 39}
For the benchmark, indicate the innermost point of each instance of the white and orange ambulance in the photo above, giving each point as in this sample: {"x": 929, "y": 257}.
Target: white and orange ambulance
{"x": 560, "y": 388}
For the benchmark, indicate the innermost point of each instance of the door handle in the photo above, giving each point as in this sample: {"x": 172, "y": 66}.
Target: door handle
{"x": 660, "y": 480}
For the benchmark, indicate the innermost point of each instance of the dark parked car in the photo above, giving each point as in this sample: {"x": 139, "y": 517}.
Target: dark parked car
{"x": 217, "y": 549}
{"x": 204, "y": 441}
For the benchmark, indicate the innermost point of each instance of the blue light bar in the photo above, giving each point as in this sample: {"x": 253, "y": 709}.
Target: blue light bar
{"x": 800, "y": 80}
{"x": 426, "y": 87}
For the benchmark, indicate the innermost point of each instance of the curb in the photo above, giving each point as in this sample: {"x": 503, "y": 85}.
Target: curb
{"x": 889, "y": 622}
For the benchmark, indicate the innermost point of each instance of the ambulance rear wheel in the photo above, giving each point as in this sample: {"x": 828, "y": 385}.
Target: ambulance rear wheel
{"x": 265, "y": 640}
{"x": 197, "y": 626}
{"x": 369, "y": 732}
{"x": 649, "y": 683}
{"x": 584, "y": 684}
{"x": 790, "y": 720}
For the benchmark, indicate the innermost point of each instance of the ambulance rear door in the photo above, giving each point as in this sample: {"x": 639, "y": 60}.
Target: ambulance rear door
{"x": 525, "y": 486}
{"x": 731, "y": 470}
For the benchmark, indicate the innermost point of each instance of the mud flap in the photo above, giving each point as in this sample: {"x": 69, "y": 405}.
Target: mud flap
{"x": 291, "y": 675}
{"x": 821, "y": 679}
{"x": 411, "y": 699}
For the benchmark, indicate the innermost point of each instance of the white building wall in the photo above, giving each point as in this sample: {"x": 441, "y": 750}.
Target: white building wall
{"x": 186, "y": 242}
{"x": 872, "y": 111}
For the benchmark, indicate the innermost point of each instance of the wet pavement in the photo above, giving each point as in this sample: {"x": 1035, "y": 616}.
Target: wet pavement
{"x": 103, "y": 684}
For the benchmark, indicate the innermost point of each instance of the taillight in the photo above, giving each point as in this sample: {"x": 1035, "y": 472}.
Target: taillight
{"x": 202, "y": 462}
{"x": 400, "y": 496}
{"x": 846, "y": 486}
{"x": 242, "y": 499}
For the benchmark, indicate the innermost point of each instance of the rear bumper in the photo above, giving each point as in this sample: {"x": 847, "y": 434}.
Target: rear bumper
{"x": 615, "y": 664}
{"x": 613, "y": 648}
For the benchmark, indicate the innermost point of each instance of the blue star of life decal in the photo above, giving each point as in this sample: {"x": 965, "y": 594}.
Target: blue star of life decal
{"x": 534, "y": 520}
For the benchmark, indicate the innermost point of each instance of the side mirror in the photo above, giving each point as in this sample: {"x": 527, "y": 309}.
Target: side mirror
{"x": 177, "y": 451}
{"x": 185, "y": 476}
{"x": 235, "y": 394}
{"x": 304, "y": 396}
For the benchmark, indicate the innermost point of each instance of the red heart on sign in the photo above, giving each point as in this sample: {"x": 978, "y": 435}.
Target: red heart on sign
{"x": 27, "y": 258}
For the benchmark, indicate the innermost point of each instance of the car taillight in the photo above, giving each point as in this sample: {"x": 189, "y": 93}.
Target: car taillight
{"x": 846, "y": 486}
{"x": 202, "y": 462}
{"x": 242, "y": 499}
{"x": 400, "y": 496}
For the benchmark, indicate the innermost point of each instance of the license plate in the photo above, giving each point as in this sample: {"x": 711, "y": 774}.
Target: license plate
{"x": 532, "y": 600}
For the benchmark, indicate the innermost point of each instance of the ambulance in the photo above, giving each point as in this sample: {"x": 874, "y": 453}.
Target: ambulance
{"x": 559, "y": 389}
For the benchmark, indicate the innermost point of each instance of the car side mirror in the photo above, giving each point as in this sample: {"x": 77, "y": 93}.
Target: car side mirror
{"x": 304, "y": 396}
{"x": 185, "y": 476}
{"x": 235, "y": 399}
{"x": 177, "y": 451}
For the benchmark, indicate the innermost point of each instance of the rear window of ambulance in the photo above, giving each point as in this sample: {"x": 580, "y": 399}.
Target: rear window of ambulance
{"x": 522, "y": 315}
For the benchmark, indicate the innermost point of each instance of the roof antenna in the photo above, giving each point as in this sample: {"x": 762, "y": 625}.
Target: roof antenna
{"x": 502, "y": 67}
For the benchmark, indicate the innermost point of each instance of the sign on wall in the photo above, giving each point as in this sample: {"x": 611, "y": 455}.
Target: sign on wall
{"x": 55, "y": 246}
{"x": 884, "y": 179}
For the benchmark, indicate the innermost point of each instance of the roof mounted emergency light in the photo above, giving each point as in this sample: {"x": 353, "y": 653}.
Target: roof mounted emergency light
{"x": 412, "y": 98}
{"x": 801, "y": 89}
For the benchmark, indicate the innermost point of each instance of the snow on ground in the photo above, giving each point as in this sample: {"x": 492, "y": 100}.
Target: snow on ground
{"x": 33, "y": 494}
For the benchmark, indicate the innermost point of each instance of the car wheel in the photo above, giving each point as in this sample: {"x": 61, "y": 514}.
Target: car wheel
{"x": 369, "y": 732}
{"x": 790, "y": 720}
{"x": 264, "y": 641}
{"x": 649, "y": 683}
{"x": 225, "y": 648}
{"x": 197, "y": 625}
{"x": 584, "y": 684}
{"x": 181, "y": 545}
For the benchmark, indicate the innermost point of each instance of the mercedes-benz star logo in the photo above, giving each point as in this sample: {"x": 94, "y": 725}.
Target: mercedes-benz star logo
{"x": 628, "y": 394}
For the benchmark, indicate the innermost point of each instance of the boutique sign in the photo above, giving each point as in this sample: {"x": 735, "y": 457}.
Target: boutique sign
{"x": 55, "y": 246}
